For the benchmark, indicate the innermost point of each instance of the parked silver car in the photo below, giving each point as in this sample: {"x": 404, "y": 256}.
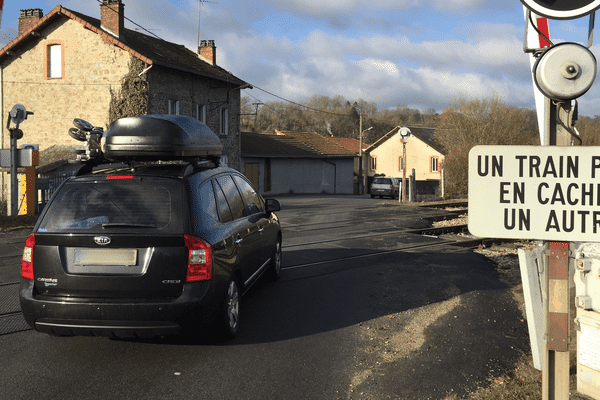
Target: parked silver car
{"x": 385, "y": 186}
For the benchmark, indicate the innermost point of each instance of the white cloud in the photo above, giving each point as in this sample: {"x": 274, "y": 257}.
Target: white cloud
{"x": 386, "y": 51}
{"x": 327, "y": 9}
{"x": 377, "y": 67}
{"x": 387, "y": 70}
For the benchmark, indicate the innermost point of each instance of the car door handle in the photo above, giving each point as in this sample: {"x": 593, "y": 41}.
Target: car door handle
{"x": 261, "y": 229}
{"x": 239, "y": 241}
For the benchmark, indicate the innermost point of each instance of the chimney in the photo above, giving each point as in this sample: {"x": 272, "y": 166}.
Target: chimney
{"x": 208, "y": 51}
{"x": 112, "y": 17}
{"x": 29, "y": 18}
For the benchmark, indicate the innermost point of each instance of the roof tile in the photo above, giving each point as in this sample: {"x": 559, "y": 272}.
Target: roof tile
{"x": 139, "y": 45}
{"x": 320, "y": 143}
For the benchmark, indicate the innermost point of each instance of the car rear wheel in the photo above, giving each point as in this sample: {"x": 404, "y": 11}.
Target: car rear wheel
{"x": 276, "y": 262}
{"x": 229, "y": 318}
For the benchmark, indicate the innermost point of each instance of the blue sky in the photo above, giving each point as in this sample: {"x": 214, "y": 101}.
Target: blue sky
{"x": 417, "y": 53}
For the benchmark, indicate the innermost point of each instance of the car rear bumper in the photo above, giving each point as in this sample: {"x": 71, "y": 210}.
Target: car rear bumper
{"x": 119, "y": 318}
{"x": 382, "y": 192}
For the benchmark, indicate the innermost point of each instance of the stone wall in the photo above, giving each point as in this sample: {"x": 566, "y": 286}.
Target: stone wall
{"x": 89, "y": 68}
{"x": 192, "y": 90}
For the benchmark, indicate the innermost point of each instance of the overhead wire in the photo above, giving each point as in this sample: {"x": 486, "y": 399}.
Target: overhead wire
{"x": 298, "y": 104}
{"x": 254, "y": 86}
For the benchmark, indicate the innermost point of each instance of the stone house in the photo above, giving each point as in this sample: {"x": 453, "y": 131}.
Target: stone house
{"x": 67, "y": 65}
{"x": 423, "y": 154}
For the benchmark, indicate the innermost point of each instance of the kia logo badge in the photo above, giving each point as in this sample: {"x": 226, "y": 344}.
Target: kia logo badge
{"x": 102, "y": 240}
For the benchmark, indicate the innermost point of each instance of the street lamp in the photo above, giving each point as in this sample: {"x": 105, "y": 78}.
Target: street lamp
{"x": 404, "y": 134}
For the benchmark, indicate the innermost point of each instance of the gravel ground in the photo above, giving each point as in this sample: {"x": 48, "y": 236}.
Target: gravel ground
{"x": 505, "y": 258}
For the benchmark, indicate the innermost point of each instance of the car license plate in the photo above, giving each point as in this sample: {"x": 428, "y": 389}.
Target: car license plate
{"x": 125, "y": 257}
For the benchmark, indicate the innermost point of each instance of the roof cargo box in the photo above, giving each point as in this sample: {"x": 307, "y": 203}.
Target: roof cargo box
{"x": 160, "y": 137}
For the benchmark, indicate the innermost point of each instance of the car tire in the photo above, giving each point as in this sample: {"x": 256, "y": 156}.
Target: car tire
{"x": 228, "y": 319}
{"x": 276, "y": 262}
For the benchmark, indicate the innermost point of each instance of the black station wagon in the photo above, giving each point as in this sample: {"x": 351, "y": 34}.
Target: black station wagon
{"x": 143, "y": 248}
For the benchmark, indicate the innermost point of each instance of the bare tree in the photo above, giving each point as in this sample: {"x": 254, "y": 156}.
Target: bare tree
{"x": 488, "y": 121}
{"x": 589, "y": 130}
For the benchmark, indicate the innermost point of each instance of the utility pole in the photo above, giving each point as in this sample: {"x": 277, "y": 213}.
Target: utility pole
{"x": 256, "y": 112}
{"x": 361, "y": 182}
{"x": 360, "y": 156}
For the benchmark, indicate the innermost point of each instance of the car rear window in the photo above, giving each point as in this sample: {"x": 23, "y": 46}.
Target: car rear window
{"x": 96, "y": 206}
{"x": 382, "y": 181}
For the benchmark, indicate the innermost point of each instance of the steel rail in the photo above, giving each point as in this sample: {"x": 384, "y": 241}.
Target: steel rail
{"x": 442, "y": 242}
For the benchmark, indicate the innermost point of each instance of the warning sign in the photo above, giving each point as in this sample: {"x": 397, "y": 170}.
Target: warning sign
{"x": 535, "y": 192}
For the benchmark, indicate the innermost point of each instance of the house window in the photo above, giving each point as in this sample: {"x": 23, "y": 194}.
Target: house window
{"x": 201, "y": 112}
{"x": 54, "y": 57}
{"x": 373, "y": 163}
{"x": 224, "y": 121}
{"x": 434, "y": 164}
{"x": 174, "y": 107}
{"x": 400, "y": 163}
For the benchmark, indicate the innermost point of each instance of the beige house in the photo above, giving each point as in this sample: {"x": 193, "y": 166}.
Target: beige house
{"x": 422, "y": 154}
{"x": 67, "y": 65}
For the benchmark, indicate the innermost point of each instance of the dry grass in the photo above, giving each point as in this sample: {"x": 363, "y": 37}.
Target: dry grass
{"x": 524, "y": 382}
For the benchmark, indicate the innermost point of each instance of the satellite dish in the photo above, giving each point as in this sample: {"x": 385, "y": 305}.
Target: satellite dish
{"x": 562, "y": 9}
{"x": 18, "y": 114}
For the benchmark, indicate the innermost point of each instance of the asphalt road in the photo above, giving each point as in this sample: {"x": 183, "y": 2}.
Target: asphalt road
{"x": 364, "y": 310}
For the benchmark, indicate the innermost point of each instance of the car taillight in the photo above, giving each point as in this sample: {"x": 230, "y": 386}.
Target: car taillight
{"x": 199, "y": 266}
{"x": 27, "y": 261}
{"x": 119, "y": 177}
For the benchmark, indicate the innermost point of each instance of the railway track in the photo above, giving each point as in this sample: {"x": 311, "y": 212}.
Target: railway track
{"x": 445, "y": 236}
{"x": 11, "y": 319}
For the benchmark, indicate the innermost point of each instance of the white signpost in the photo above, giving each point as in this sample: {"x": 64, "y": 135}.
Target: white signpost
{"x": 549, "y": 193}
{"x": 535, "y": 192}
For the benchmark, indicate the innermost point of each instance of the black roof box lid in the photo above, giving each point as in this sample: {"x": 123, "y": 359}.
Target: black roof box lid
{"x": 160, "y": 137}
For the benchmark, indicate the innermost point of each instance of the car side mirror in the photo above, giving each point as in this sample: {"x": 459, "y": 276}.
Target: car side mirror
{"x": 272, "y": 205}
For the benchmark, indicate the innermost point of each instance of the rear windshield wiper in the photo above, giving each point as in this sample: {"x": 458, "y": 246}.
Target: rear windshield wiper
{"x": 125, "y": 225}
